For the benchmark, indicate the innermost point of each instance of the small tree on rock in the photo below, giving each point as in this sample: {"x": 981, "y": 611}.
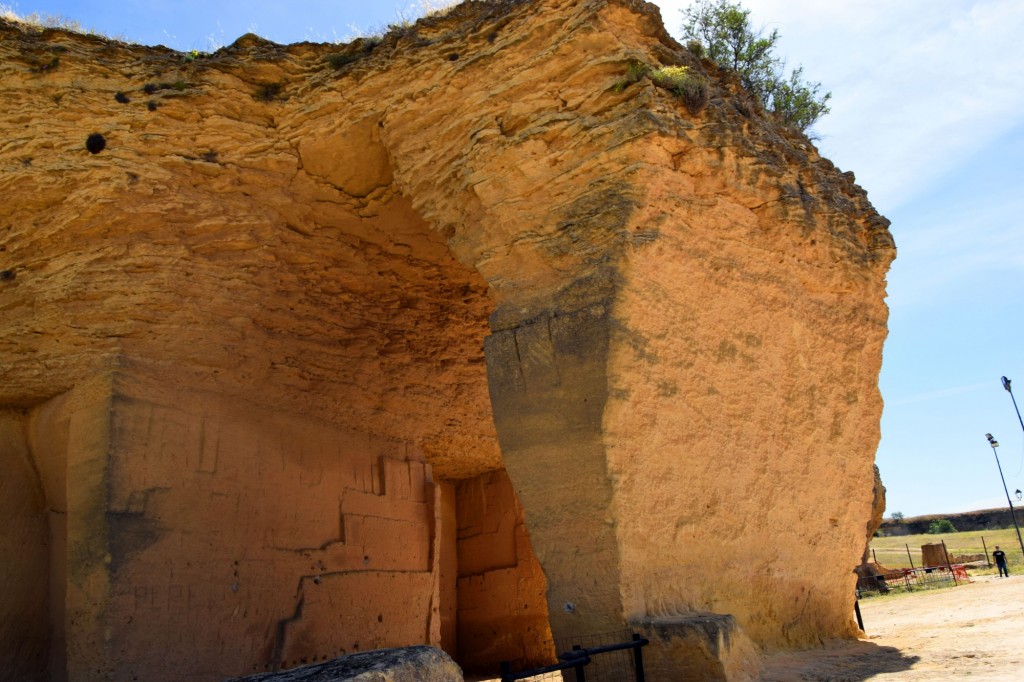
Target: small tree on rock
{"x": 723, "y": 31}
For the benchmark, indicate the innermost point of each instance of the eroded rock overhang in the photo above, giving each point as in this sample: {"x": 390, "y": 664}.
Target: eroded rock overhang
{"x": 684, "y": 311}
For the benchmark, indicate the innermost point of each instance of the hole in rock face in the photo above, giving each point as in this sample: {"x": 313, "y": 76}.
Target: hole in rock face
{"x": 95, "y": 143}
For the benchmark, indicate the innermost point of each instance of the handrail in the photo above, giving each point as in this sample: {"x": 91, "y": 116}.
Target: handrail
{"x": 578, "y": 658}
{"x": 591, "y": 651}
{"x": 508, "y": 676}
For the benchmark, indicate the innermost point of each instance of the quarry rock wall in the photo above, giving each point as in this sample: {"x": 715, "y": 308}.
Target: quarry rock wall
{"x": 502, "y": 608}
{"x": 24, "y": 543}
{"x": 328, "y": 348}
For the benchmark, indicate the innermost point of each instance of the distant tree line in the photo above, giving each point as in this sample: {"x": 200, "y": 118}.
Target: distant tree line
{"x": 981, "y": 520}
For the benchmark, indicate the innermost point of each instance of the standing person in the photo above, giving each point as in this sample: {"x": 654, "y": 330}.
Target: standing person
{"x": 1000, "y": 557}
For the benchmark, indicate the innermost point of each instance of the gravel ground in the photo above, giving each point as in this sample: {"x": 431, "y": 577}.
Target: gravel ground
{"x": 974, "y": 631}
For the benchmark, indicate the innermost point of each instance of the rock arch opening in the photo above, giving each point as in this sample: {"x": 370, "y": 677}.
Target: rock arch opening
{"x": 274, "y": 438}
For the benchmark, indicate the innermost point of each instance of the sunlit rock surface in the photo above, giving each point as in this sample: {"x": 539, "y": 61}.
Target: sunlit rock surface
{"x": 271, "y": 319}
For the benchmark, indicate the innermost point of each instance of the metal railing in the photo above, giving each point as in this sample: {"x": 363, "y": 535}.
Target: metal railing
{"x": 910, "y": 579}
{"x": 578, "y": 658}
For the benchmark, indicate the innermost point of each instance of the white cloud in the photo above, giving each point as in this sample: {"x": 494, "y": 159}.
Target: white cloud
{"x": 949, "y": 249}
{"x": 990, "y": 502}
{"x": 939, "y": 394}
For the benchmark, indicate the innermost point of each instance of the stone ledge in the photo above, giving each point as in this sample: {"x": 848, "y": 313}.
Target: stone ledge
{"x": 708, "y": 646}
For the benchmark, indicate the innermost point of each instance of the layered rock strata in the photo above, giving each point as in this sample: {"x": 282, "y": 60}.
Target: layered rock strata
{"x": 268, "y": 312}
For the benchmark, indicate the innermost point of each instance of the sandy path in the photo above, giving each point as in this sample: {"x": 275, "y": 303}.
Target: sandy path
{"x": 974, "y": 630}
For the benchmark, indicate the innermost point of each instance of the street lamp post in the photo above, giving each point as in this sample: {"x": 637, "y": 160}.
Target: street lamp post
{"x": 1006, "y": 385}
{"x": 995, "y": 444}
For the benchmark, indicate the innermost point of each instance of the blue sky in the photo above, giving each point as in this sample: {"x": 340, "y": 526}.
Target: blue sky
{"x": 927, "y": 110}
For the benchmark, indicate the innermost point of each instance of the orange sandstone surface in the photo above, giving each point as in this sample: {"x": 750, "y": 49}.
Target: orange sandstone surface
{"x": 457, "y": 338}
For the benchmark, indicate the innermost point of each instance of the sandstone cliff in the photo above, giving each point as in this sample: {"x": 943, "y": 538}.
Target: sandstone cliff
{"x": 270, "y": 314}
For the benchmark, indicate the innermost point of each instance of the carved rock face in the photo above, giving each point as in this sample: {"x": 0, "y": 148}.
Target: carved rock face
{"x": 300, "y": 290}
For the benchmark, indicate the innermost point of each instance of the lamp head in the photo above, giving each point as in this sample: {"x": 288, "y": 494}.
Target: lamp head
{"x": 1006, "y": 384}
{"x": 992, "y": 441}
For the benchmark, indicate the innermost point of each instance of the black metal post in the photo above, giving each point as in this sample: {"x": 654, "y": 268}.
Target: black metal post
{"x": 581, "y": 675}
{"x": 952, "y": 573}
{"x": 908, "y": 554}
{"x": 1006, "y": 385}
{"x": 985, "y": 547}
{"x": 638, "y": 659}
{"x": 995, "y": 444}
{"x": 506, "y": 671}
{"x": 856, "y": 610}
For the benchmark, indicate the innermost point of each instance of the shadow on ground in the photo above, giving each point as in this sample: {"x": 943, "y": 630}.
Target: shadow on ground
{"x": 837, "y": 662}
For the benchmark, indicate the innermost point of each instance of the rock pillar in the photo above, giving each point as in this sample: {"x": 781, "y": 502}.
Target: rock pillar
{"x": 549, "y": 385}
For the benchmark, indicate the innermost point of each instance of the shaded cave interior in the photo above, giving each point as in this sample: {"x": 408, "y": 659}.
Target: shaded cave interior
{"x": 286, "y": 455}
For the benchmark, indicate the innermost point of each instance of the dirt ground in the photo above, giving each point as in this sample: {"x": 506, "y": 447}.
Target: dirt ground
{"x": 974, "y": 631}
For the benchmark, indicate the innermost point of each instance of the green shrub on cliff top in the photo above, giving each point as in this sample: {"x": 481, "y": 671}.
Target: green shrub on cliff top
{"x": 693, "y": 90}
{"x": 723, "y": 30}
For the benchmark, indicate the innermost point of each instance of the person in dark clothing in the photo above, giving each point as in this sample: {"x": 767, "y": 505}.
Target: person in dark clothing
{"x": 1000, "y": 557}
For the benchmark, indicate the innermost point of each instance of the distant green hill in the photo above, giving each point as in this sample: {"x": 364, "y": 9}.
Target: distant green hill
{"x": 984, "y": 519}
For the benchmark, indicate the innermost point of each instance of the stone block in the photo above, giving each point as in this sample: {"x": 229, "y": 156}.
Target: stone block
{"x": 420, "y": 663}
{"x": 700, "y": 647}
